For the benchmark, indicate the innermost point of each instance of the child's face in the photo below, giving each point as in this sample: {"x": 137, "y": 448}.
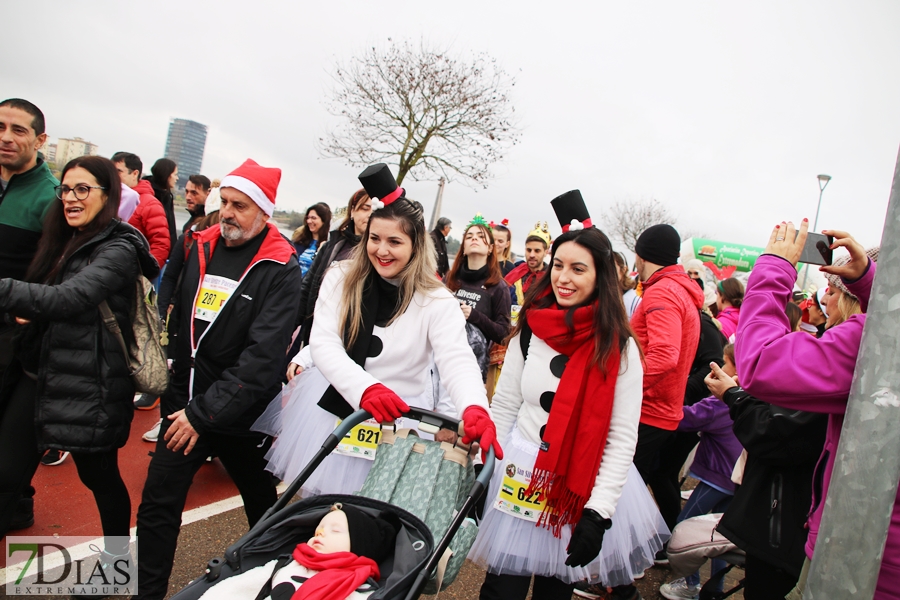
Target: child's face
{"x": 332, "y": 534}
{"x": 729, "y": 367}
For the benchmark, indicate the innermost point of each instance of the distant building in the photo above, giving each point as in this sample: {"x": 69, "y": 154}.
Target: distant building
{"x": 67, "y": 149}
{"x": 49, "y": 152}
{"x": 185, "y": 145}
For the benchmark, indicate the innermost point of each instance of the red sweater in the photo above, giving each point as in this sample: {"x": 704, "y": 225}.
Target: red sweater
{"x": 667, "y": 326}
{"x": 150, "y": 219}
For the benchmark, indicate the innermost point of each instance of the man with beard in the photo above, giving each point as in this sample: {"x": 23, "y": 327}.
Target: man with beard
{"x": 196, "y": 191}
{"x": 526, "y": 272}
{"x": 234, "y": 314}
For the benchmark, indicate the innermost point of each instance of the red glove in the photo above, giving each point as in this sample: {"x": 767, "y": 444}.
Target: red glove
{"x": 477, "y": 425}
{"x": 384, "y": 404}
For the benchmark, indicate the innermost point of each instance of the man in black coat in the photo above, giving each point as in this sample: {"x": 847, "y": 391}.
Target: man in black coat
{"x": 233, "y": 314}
{"x": 439, "y": 237}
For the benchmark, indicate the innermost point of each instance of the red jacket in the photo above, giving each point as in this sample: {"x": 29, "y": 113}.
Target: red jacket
{"x": 667, "y": 326}
{"x": 150, "y": 219}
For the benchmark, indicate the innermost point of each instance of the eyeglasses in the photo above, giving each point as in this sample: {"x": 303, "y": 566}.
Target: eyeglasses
{"x": 82, "y": 191}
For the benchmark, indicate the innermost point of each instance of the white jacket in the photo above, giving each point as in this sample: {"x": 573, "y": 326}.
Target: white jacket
{"x": 432, "y": 323}
{"x": 517, "y": 400}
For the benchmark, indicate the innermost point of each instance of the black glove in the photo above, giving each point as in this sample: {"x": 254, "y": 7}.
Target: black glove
{"x": 587, "y": 539}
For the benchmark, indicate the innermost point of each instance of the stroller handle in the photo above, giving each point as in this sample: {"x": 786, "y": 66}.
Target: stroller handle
{"x": 420, "y": 414}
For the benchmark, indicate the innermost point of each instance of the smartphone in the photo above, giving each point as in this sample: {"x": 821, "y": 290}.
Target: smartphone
{"x": 817, "y": 249}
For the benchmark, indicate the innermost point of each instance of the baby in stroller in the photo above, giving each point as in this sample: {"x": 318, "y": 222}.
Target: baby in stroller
{"x": 339, "y": 561}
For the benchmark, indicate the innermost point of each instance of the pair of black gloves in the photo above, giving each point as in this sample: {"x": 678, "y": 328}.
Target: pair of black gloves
{"x": 587, "y": 539}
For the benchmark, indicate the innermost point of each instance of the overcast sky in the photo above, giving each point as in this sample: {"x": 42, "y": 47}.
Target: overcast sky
{"x": 725, "y": 112}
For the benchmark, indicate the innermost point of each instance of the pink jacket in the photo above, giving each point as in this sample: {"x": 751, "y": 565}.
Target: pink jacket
{"x": 774, "y": 366}
{"x": 728, "y": 319}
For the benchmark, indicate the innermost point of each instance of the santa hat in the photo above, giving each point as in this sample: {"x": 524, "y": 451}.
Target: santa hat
{"x": 571, "y": 211}
{"x": 258, "y": 182}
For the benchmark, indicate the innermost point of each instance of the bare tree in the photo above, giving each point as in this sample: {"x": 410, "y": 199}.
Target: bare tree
{"x": 432, "y": 113}
{"x": 627, "y": 219}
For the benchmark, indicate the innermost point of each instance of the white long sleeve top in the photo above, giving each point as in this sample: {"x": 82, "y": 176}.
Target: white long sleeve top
{"x": 432, "y": 323}
{"x": 517, "y": 400}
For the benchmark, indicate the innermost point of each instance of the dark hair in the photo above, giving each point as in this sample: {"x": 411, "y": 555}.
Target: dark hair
{"x": 161, "y": 171}
{"x": 324, "y": 212}
{"x": 358, "y": 197}
{"x": 37, "y": 117}
{"x": 794, "y": 314}
{"x": 495, "y": 275}
{"x": 59, "y": 240}
{"x": 610, "y": 319}
{"x": 732, "y": 290}
{"x": 625, "y": 281}
{"x": 132, "y": 161}
{"x": 200, "y": 180}
{"x": 441, "y": 223}
{"x": 536, "y": 238}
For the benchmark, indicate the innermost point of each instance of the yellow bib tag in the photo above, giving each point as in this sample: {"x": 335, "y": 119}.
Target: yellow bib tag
{"x": 513, "y": 497}
{"x": 361, "y": 441}
{"x": 214, "y": 293}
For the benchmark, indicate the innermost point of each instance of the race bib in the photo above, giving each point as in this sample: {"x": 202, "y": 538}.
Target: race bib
{"x": 214, "y": 293}
{"x": 514, "y": 315}
{"x": 361, "y": 441}
{"x": 513, "y": 497}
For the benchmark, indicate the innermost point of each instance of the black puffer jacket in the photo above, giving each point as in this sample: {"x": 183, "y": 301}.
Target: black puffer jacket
{"x": 84, "y": 393}
{"x": 767, "y": 517}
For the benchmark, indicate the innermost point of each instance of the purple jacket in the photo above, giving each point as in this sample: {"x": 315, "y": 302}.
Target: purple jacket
{"x": 728, "y": 319}
{"x": 774, "y": 366}
{"x": 719, "y": 448}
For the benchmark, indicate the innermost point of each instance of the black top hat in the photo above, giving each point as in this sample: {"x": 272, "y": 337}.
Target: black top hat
{"x": 571, "y": 211}
{"x": 380, "y": 184}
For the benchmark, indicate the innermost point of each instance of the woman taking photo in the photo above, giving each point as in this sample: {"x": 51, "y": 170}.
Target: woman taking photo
{"x": 567, "y": 405}
{"x": 766, "y": 353}
{"x": 70, "y": 388}
{"x": 340, "y": 244}
{"x": 483, "y": 295}
{"x": 381, "y": 318}
{"x": 503, "y": 245}
{"x": 729, "y": 296}
{"x": 163, "y": 178}
{"x": 312, "y": 234}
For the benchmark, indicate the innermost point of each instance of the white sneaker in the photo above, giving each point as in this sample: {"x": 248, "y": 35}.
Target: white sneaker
{"x": 679, "y": 590}
{"x": 152, "y": 435}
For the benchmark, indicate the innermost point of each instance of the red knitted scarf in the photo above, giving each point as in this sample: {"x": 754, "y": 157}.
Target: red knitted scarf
{"x": 573, "y": 441}
{"x": 340, "y": 573}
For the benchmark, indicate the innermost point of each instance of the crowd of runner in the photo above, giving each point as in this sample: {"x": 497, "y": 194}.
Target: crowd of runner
{"x": 592, "y": 377}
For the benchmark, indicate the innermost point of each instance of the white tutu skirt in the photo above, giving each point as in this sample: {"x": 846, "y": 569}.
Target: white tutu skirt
{"x": 508, "y": 545}
{"x": 300, "y": 426}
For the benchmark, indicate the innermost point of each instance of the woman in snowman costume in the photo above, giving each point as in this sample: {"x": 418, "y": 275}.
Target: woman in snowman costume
{"x": 381, "y": 318}
{"x": 567, "y": 407}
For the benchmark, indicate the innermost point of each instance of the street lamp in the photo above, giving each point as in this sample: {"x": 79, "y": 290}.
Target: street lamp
{"x": 823, "y": 183}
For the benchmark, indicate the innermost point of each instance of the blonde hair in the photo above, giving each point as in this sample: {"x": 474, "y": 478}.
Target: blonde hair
{"x": 847, "y": 306}
{"x": 419, "y": 275}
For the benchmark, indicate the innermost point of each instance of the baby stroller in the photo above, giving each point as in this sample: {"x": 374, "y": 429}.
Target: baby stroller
{"x": 696, "y": 540}
{"x": 404, "y": 574}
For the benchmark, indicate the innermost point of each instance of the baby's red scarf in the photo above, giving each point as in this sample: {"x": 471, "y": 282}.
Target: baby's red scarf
{"x": 572, "y": 446}
{"x": 340, "y": 573}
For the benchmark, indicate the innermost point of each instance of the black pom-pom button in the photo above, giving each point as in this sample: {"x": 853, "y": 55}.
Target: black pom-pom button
{"x": 547, "y": 400}
{"x": 558, "y": 365}
{"x": 375, "y": 347}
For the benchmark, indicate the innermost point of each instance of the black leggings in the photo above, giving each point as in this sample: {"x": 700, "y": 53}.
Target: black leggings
{"x": 19, "y": 459}
{"x": 515, "y": 587}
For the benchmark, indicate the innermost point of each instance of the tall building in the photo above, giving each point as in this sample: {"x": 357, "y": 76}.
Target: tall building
{"x": 49, "y": 152}
{"x": 185, "y": 145}
{"x": 67, "y": 149}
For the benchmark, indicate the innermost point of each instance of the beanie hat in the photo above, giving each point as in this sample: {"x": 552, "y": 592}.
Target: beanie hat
{"x": 258, "y": 182}
{"x": 571, "y": 211}
{"x": 371, "y": 536}
{"x": 659, "y": 244}
{"x": 380, "y": 185}
{"x": 835, "y": 280}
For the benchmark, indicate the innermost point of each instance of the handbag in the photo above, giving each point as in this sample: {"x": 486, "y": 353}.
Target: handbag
{"x": 146, "y": 358}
